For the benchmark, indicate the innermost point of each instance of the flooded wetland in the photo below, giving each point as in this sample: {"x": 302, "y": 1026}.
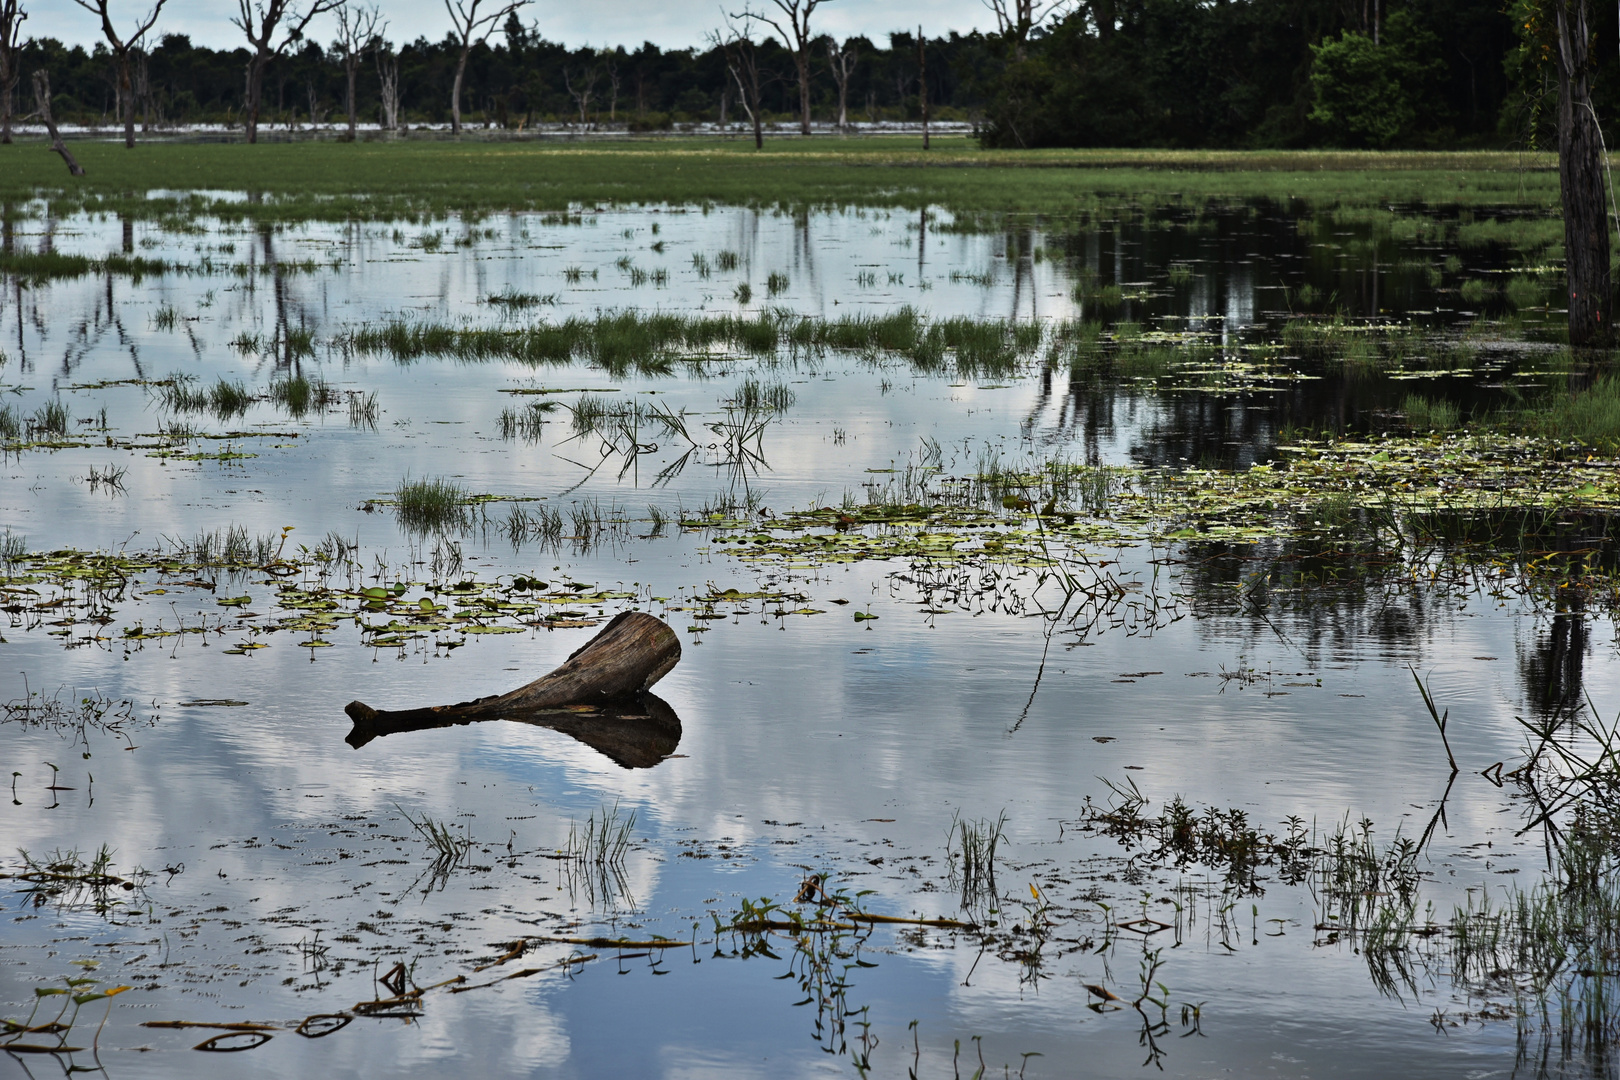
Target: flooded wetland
{"x": 1161, "y": 629}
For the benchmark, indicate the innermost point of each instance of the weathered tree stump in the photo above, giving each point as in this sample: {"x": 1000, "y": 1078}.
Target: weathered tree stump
{"x": 598, "y": 696}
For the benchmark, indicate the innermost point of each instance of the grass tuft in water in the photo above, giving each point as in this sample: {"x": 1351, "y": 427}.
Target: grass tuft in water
{"x": 513, "y": 300}
{"x": 299, "y": 394}
{"x": 604, "y": 839}
{"x": 970, "y": 848}
{"x": 435, "y": 505}
{"x": 50, "y": 419}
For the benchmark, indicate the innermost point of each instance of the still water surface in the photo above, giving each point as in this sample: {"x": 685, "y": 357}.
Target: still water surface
{"x": 287, "y": 878}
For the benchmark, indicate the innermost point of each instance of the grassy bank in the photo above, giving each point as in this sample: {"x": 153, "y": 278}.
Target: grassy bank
{"x": 305, "y": 180}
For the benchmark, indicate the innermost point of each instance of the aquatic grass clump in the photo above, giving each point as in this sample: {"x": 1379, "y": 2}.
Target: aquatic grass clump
{"x": 13, "y": 546}
{"x": 363, "y": 409}
{"x": 970, "y": 849}
{"x": 513, "y": 300}
{"x": 49, "y": 420}
{"x": 1430, "y": 414}
{"x": 300, "y": 394}
{"x": 651, "y": 343}
{"x": 774, "y": 396}
{"x": 11, "y": 423}
{"x": 298, "y": 341}
{"x": 604, "y": 840}
{"x": 448, "y": 844}
{"x": 527, "y": 423}
{"x": 224, "y": 399}
{"x": 434, "y": 505}
{"x": 1526, "y": 292}
{"x": 542, "y": 525}
{"x": 230, "y": 547}
{"x": 1590, "y": 416}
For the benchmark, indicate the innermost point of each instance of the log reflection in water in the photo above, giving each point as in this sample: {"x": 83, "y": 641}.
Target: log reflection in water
{"x": 636, "y": 733}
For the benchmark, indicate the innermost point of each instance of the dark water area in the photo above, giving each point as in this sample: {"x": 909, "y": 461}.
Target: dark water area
{"x": 837, "y": 714}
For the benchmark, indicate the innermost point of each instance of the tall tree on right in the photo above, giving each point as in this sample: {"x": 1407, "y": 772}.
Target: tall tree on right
{"x": 1580, "y": 179}
{"x": 11, "y": 20}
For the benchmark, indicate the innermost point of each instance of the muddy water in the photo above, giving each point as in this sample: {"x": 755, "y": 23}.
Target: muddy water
{"x": 286, "y": 879}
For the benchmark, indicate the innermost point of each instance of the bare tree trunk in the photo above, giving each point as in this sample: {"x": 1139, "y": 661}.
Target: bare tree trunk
{"x": 255, "y": 95}
{"x": 1580, "y": 175}
{"x": 42, "y": 95}
{"x": 455, "y": 93}
{"x": 352, "y": 63}
{"x": 11, "y": 20}
{"x": 842, "y": 61}
{"x": 803, "y": 61}
{"x": 922, "y": 81}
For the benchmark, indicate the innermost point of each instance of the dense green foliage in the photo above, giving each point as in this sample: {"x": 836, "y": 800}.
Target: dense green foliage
{"x": 1285, "y": 73}
{"x": 1116, "y": 73}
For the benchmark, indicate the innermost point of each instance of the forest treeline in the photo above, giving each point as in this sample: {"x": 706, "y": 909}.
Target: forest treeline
{"x": 1177, "y": 73}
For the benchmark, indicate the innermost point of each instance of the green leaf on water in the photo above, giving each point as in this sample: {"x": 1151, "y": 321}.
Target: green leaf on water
{"x": 234, "y": 601}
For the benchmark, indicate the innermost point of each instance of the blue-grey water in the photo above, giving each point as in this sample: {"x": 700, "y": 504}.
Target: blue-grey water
{"x": 286, "y": 879}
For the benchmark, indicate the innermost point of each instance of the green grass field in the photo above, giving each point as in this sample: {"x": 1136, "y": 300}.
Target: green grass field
{"x": 423, "y": 176}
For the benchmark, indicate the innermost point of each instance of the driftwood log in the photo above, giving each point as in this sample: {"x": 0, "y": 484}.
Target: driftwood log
{"x": 598, "y": 696}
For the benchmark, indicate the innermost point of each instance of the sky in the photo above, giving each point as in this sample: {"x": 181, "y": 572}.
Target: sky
{"x": 666, "y": 23}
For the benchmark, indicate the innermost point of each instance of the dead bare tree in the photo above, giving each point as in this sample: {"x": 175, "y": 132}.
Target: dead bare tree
{"x": 314, "y": 103}
{"x": 742, "y": 62}
{"x": 1580, "y": 175}
{"x": 613, "y": 83}
{"x": 122, "y": 49}
{"x": 259, "y": 21}
{"x": 42, "y": 100}
{"x": 388, "y": 76}
{"x": 581, "y": 87}
{"x": 357, "y": 28}
{"x": 796, "y": 36}
{"x": 922, "y": 81}
{"x": 842, "y": 61}
{"x": 1017, "y": 19}
{"x": 11, "y": 20}
{"x": 472, "y": 29}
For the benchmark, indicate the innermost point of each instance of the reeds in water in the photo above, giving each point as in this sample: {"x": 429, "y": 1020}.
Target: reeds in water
{"x": 604, "y": 839}
{"x": 431, "y": 505}
{"x": 300, "y": 394}
{"x": 970, "y": 848}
